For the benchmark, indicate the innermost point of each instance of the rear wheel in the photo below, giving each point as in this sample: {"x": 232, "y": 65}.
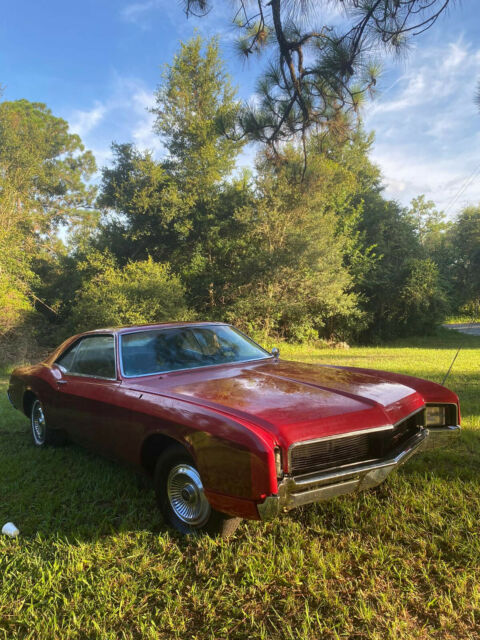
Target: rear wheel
{"x": 181, "y": 498}
{"x": 42, "y": 434}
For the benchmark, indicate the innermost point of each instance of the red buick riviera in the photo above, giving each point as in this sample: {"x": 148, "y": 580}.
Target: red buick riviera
{"x": 226, "y": 429}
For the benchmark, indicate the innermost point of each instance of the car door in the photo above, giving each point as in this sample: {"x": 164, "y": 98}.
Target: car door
{"x": 86, "y": 391}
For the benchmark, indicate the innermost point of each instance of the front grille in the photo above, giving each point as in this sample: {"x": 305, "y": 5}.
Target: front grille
{"x": 330, "y": 453}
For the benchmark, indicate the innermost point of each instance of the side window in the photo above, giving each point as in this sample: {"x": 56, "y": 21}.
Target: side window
{"x": 66, "y": 359}
{"x": 95, "y": 356}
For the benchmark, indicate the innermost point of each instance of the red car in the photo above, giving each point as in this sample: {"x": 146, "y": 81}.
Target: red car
{"x": 226, "y": 429}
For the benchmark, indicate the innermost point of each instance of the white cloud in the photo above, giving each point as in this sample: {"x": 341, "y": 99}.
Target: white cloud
{"x": 456, "y": 55}
{"x": 142, "y": 133}
{"x": 136, "y": 12}
{"x": 434, "y": 74}
{"x": 427, "y": 127}
{"x": 124, "y": 116}
{"x": 451, "y": 183}
{"x": 82, "y": 122}
{"x": 146, "y": 14}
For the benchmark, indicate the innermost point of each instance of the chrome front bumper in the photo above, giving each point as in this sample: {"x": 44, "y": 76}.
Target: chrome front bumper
{"x": 294, "y": 491}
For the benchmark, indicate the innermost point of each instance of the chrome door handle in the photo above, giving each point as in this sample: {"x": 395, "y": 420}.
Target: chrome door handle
{"x": 61, "y": 381}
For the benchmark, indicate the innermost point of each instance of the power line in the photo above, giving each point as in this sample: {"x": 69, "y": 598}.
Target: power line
{"x": 467, "y": 182}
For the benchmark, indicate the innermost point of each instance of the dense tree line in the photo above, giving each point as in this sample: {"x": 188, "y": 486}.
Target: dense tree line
{"x": 288, "y": 250}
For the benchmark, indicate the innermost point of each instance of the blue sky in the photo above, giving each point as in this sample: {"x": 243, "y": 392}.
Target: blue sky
{"x": 97, "y": 63}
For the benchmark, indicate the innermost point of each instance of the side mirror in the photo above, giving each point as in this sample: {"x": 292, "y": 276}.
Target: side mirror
{"x": 276, "y": 353}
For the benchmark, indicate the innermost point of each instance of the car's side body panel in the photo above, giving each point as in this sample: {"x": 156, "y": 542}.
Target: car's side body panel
{"x": 88, "y": 409}
{"x": 34, "y": 379}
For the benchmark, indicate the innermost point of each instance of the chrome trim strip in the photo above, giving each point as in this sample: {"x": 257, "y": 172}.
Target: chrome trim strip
{"x": 87, "y": 375}
{"x": 126, "y": 331}
{"x": 337, "y": 436}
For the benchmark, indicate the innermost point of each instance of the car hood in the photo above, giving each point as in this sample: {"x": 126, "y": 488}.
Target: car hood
{"x": 297, "y": 401}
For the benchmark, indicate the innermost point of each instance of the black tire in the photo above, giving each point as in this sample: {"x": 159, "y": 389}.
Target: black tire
{"x": 42, "y": 435}
{"x": 178, "y": 488}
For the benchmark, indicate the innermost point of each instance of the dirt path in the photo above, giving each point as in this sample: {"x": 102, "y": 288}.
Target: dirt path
{"x": 471, "y": 328}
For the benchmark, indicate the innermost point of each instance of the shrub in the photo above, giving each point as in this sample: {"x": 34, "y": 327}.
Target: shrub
{"x": 140, "y": 292}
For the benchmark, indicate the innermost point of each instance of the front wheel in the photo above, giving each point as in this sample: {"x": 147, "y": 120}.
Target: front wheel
{"x": 42, "y": 435}
{"x": 181, "y": 499}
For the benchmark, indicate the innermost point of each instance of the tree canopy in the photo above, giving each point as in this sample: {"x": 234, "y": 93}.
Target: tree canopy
{"x": 43, "y": 173}
{"x": 318, "y": 71}
{"x": 194, "y": 105}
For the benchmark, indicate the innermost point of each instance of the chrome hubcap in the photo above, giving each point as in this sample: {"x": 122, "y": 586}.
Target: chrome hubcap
{"x": 38, "y": 423}
{"x": 186, "y": 496}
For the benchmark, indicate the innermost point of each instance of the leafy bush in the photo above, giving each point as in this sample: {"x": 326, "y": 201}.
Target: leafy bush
{"x": 13, "y": 303}
{"x": 472, "y": 310}
{"x": 140, "y": 292}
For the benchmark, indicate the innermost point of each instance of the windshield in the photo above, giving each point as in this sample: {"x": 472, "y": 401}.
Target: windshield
{"x": 161, "y": 350}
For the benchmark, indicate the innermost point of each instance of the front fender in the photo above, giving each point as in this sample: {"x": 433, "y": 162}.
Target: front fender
{"x": 241, "y": 465}
{"x": 234, "y": 458}
{"x": 431, "y": 392}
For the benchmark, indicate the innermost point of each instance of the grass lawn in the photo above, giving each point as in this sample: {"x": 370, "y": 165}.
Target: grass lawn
{"x": 94, "y": 559}
{"x": 462, "y": 319}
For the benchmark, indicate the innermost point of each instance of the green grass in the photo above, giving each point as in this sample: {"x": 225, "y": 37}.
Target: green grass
{"x": 462, "y": 319}
{"x": 94, "y": 559}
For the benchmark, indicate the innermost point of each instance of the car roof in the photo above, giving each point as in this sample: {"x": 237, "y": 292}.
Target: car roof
{"x": 146, "y": 327}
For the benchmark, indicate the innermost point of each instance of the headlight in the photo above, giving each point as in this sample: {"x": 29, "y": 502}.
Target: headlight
{"x": 435, "y": 416}
{"x": 278, "y": 462}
